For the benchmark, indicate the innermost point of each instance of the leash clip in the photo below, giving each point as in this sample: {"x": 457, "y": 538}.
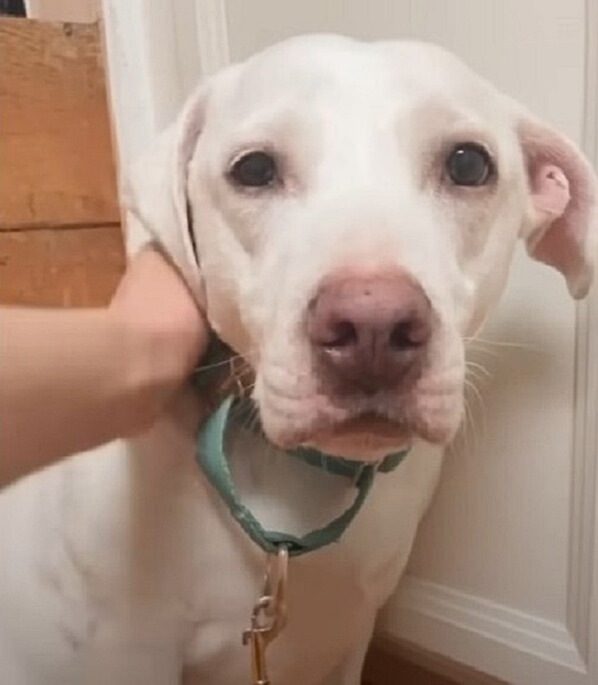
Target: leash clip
{"x": 269, "y": 614}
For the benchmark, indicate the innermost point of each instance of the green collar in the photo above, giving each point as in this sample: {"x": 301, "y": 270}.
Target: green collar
{"x": 212, "y": 459}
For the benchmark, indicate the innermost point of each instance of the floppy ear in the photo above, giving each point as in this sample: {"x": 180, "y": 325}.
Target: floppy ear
{"x": 564, "y": 194}
{"x": 155, "y": 195}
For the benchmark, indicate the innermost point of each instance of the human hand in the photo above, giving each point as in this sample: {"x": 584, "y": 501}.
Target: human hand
{"x": 164, "y": 334}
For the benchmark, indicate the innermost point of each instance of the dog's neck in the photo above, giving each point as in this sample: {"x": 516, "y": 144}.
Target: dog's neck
{"x": 309, "y": 495}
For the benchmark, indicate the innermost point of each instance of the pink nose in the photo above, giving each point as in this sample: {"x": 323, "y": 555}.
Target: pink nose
{"x": 370, "y": 332}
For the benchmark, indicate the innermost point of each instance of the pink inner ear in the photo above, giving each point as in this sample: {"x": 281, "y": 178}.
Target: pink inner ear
{"x": 553, "y": 241}
{"x": 550, "y": 194}
{"x": 563, "y": 192}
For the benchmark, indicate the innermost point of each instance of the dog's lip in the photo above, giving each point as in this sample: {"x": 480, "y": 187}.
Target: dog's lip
{"x": 372, "y": 424}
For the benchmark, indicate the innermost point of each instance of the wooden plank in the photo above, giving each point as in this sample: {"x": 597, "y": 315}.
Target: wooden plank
{"x": 60, "y": 268}
{"x": 56, "y": 165}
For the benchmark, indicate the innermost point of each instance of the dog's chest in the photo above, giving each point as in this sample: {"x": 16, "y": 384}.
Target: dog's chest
{"x": 333, "y": 596}
{"x": 185, "y": 577}
{"x": 167, "y": 579}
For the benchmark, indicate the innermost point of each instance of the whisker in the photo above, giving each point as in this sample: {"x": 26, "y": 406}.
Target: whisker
{"x": 471, "y": 373}
{"x": 484, "y": 350}
{"x": 242, "y": 411}
{"x": 473, "y": 389}
{"x": 231, "y": 358}
{"x": 207, "y": 367}
{"x": 502, "y": 343}
{"x": 478, "y": 396}
{"x": 465, "y": 432}
{"x": 475, "y": 366}
{"x": 255, "y": 420}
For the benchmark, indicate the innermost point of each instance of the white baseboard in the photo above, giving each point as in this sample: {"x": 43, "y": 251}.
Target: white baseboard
{"x": 491, "y": 637}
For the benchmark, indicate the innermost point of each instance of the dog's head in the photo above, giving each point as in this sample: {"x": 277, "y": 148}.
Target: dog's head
{"x": 353, "y": 209}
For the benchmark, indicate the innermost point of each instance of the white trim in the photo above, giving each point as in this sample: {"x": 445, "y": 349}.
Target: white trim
{"x": 202, "y": 39}
{"x": 212, "y": 35}
{"x": 156, "y": 53}
{"x": 143, "y": 80}
{"x": 583, "y": 531}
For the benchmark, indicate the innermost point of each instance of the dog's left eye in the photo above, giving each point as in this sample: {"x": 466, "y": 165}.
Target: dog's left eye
{"x": 254, "y": 170}
{"x": 469, "y": 164}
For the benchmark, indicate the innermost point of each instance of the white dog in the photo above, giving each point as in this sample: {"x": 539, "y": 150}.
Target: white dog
{"x": 345, "y": 213}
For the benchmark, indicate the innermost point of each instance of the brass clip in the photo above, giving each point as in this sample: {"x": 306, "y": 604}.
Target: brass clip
{"x": 269, "y": 615}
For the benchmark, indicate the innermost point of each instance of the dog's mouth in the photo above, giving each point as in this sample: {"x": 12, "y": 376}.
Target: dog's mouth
{"x": 378, "y": 427}
{"x": 364, "y": 430}
{"x": 369, "y": 423}
{"x": 366, "y": 437}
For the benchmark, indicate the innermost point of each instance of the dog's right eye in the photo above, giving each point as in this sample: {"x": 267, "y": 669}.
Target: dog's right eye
{"x": 254, "y": 170}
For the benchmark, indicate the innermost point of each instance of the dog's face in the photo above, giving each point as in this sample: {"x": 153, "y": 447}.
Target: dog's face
{"x": 355, "y": 208}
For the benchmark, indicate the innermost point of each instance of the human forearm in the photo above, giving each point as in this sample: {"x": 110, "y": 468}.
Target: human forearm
{"x": 65, "y": 385}
{"x": 73, "y": 379}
